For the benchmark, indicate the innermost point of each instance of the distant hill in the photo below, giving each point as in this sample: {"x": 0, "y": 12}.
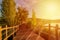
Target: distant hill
{"x": 44, "y": 21}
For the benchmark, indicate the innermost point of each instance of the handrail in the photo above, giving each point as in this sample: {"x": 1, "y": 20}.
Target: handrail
{"x": 14, "y": 28}
{"x": 56, "y": 28}
{"x": 9, "y": 28}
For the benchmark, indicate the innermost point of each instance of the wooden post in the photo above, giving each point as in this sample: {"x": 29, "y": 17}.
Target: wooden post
{"x": 0, "y": 33}
{"x": 18, "y": 27}
{"x": 13, "y": 32}
{"x": 6, "y": 32}
{"x": 56, "y": 31}
{"x": 49, "y": 32}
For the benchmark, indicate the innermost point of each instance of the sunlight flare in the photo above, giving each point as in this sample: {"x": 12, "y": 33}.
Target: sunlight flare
{"x": 49, "y": 9}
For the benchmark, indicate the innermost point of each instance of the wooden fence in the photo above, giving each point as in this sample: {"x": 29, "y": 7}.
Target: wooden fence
{"x": 7, "y": 32}
{"x": 56, "y": 28}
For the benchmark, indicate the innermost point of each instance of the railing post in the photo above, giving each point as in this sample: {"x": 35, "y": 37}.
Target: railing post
{"x": 0, "y": 33}
{"x": 49, "y": 31}
{"x": 56, "y": 31}
{"x": 6, "y": 32}
{"x": 18, "y": 27}
{"x": 13, "y": 32}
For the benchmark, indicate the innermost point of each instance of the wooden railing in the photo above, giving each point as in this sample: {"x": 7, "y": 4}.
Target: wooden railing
{"x": 8, "y": 31}
{"x": 56, "y": 30}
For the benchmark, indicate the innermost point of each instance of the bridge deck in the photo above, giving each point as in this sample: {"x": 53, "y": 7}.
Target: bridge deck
{"x": 27, "y": 34}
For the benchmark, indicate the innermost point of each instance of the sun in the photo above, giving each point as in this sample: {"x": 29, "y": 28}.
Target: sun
{"x": 51, "y": 7}
{"x": 48, "y": 10}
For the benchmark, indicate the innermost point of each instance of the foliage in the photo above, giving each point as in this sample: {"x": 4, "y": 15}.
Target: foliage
{"x": 22, "y": 15}
{"x": 3, "y": 22}
{"x": 9, "y": 11}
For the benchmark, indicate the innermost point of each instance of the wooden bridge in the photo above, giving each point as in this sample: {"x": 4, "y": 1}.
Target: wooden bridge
{"x": 6, "y": 32}
{"x": 23, "y": 32}
{"x": 28, "y": 34}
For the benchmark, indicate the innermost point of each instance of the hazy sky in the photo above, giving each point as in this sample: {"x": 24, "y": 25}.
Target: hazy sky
{"x": 47, "y": 9}
{"x": 28, "y": 4}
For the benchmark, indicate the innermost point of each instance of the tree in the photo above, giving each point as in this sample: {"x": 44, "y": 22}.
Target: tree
{"x": 22, "y": 15}
{"x": 9, "y": 11}
{"x": 33, "y": 17}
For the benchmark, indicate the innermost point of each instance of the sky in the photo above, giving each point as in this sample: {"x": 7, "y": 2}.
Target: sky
{"x": 0, "y": 7}
{"x": 28, "y": 4}
{"x": 48, "y": 9}
{"x": 45, "y": 9}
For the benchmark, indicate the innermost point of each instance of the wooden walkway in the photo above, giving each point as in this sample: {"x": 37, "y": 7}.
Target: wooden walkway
{"x": 27, "y": 34}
